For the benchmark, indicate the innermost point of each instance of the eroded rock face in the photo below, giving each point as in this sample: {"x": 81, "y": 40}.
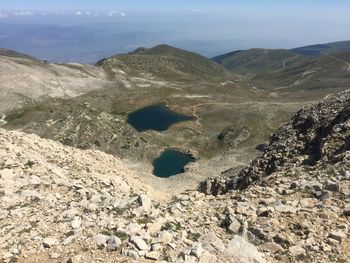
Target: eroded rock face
{"x": 316, "y": 136}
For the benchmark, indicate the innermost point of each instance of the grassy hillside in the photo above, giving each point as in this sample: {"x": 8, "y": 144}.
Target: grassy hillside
{"x": 253, "y": 61}
{"x": 167, "y": 62}
{"x": 316, "y": 67}
{"x": 308, "y": 73}
{"x": 330, "y": 48}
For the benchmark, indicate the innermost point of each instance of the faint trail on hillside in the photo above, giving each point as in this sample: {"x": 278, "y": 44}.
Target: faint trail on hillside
{"x": 195, "y": 107}
{"x": 343, "y": 61}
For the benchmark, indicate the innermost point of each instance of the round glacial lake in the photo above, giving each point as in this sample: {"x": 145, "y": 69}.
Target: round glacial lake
{"x": 171, "y": 162}
{"x": 156, "y": 117}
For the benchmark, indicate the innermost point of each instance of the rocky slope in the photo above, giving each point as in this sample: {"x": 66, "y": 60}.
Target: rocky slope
{"x": 317, "y": 136}
{"x": 24, "y": 79}
{"x": 60, "y": 204}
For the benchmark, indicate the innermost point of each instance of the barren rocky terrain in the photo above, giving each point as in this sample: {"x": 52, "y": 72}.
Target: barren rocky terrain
{"x": 60, "y": 203}
{"x": 270, "y": 181}
{"x": 28, "y": 79}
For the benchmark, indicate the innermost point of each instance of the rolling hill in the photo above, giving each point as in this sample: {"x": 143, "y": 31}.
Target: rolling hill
{"x": 314, "y": 67}
{"x": 167, "y": 62}
{"x": 255, "y": 60}
{"x": 319, "y": 49}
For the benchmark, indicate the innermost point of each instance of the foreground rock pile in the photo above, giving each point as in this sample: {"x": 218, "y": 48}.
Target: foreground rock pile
{"x": 60, "y": 204}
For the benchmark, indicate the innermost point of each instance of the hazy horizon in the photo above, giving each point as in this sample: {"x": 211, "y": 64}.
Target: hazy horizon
{"x": 66, "y": 31}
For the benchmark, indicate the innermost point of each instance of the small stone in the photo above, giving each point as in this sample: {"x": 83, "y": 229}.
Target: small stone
{"x": 208, "y": 258}
{"x": 113, "y": 243}
{"x": 3, "y": 214}
{"x": 165, "y": 237}
{"x": 154, "y": 255}
{"x": 55, "y": 255}
{"x": 212, "y": 243}
{"x": 145, "y": 202}
{"x": 14, "y": 251}
{"x": 308, "y": 203}
{"x": 7, "y": 256}
{"x": 287, "y": 209}
{"x": 132, "y": 254}
{"x": 100, "y": 240}
{"x": 197, "y": 250}
{"x": 297, "y": 250}
{"x": 190, "y": 259}
{"x": 331, "y": 186}
{"x": 133, "y": 228}
{"x": 139, "y": 243}
{"x": 49, "y": 242}
{"x": 68, "y": 240}
{"x": 272, "y": 247}
{"x": 76, "y": 223}
{"x": 337, "y": 235}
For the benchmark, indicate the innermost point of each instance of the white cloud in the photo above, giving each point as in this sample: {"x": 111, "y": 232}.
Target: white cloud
{"x": 23, "y": 13}
{"x": 87, "y": 13}
{"x": 3, "y": 15}
{"x": 78, "y": 13}
{"x": 116, "y": 13}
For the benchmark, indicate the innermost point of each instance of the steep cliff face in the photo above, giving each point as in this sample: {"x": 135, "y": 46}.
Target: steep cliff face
{"x": 316, "y": 136}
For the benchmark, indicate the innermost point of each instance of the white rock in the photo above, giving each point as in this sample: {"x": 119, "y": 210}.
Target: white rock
{"x": 337, "y": 235}
{"x": 76, "y": 223}
{"x": 68, "y": 240}
{"x": 297, "y": 250}
{"x": 133, "y": 228}
{"x": 197, "y": 250}
{"x": 55, "y": 255}
{"x": 139, "y": 243}
{"x": 239, "y": 250}
{"x": 146, "y": 203}
{"x": 49, "y": 242}
{"x": 155, "y": 255}
{"x": 165, "y": 237}
{"x": 208, "y": 258}
{"x": 211, "y": 243}
{"x": 100, "y": 240}
{"x": 132, "y": 254}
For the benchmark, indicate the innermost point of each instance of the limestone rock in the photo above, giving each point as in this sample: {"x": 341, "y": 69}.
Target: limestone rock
{"x": 139, "y": 243}
{"x": 239, "y": 250}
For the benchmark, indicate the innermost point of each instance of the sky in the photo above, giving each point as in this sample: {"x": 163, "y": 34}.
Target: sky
{"x": 209, "y": 27}
{"x": 178, "y": 5}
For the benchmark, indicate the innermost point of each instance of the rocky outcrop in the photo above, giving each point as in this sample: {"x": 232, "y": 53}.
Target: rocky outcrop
{"x": 317, "y": 136}
{"x": 234, "y": 136}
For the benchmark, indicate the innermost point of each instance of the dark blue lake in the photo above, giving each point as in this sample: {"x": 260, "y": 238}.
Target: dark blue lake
{"x": 155, "y": 117}
{"x": 171, "y": 162}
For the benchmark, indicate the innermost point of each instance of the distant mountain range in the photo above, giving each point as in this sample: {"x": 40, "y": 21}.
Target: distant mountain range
{"x": 310, "y": 67}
